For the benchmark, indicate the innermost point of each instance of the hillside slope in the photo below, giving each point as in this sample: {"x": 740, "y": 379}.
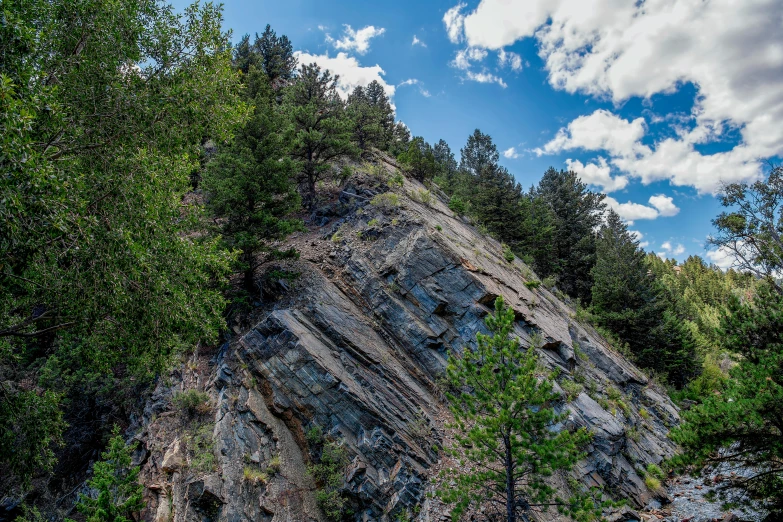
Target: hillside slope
{"x": 354, "y": 345}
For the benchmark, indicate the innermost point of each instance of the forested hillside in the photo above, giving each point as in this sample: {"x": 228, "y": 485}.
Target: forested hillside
{"x": 155, "y": 179}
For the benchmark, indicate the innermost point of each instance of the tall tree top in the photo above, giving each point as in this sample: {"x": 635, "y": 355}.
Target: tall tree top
{"x": 478, "y": 153}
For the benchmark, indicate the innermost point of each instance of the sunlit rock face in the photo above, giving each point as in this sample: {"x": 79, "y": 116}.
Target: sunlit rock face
{"x": 354, "y": 347}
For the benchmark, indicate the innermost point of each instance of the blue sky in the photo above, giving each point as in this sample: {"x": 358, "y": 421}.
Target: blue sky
{"x": 654, "y": 102}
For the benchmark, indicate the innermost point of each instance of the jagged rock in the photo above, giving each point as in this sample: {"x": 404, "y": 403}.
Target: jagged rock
{"x": 174, "y": 457}
{"x": 355, "y": 348}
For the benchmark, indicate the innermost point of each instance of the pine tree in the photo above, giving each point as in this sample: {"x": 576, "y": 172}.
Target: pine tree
{"x": 505, "y": 436}
{"x": 419, "y": 159}
{"x": 248, "y": 184}
{"x": 367, "y": 121}
{"x": 577, "y": 212}
{"x": 536, "y": 231}
{"x": 743, "y": 424}
{"x": 116, "y": 482}
{"x": 629, "y": 301}
{"x": 322, "y": 132}
{"x": 382, "y": 109}
{"x": 479, "y": 152}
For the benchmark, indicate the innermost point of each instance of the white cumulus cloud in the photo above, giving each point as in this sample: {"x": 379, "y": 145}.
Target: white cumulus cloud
{"x": 416, "y": 42}
{"x": 352, "y": 73}
{"x": 598, "y": 174}
{"x": 731, "y": 51}
{"x": 413, "y": 81}
{"x": 453, "y": 20}
{"x": 665, "y": 205}
{"x": 507, "y": 58}
{"x": 485, "y": 77}
{"x": 463, "y": 59}
{"x": 511, "y": 153}
{"x": 358, "y": 41}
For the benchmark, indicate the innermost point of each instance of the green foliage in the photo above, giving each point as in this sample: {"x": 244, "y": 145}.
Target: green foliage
{"x": 631, "y": 304}
{"x": 533, "y": 284}
{"x": 371, "y": 116}
{"x": 457, "y": 205}
{"x": 503, "y": 429}
{"x": 201, "y": 445}
{"x": 248, "y": 183}
{"x": 508, "y": 254}
{"x": 741, "y": 425}
{"x": 655, "y": 471}
{"x": 419, "y": 159}
{"x": 575, "y": 212}
{"x": 571, "y": 389}
{"x": 255, "y": 475}
{"x": 268, "y": 53}
{"x": 386, "y": 201}
{"x": 118, "y": 495}
{"x": 103, "y": 274}
{"x": 321, "y": 130}
{"x": 192, "y": 401}
{"x": 421, "y": 196}
{"x": 751, "y": 231}
{"x": 396, "y": 180}
{"x": 439, "y": 228}
{"x": 328, "y": 472}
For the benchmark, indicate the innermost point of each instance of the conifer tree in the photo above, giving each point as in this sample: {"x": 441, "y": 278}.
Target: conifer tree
{"x": 419, "y": 159}
{"x": 577, "y": 213}
{"x": 321, "y": 130}
{"x": 505, "y": 436}
{"x": 271, "y": 54}
{"x": 118, "y": 495}
{"x": 479, "y": 152}
{"x": 248, "y": 183}
{"x": 630, "y": 302}
{"x": 366, "y": 120}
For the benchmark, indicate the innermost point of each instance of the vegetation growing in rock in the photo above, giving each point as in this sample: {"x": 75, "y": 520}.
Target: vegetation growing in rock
{"x": 503, "y": 422}
{"x": 118, "y": 494}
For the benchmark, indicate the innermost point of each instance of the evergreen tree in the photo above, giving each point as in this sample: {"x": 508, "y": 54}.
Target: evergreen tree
{"x": 495, "y": 201}
{"x": 382, "y": 109}
{"x": 102, "y": 273}
{"x": 743, "y": 424}
{"x": 116, "y": 482}
{"x": 446, "y": 166}
{"x": 419, "y": 159}
{"x": 479, "y": 152}
{"x": 401, "y": 136}
{"x": 271, "y": 54}
{"x": 321, "y": 132}
{"x": 504, "y": 421}
{"x": 366, "y": 120}
{"x": 628, "y": 301}
{"x": 248, "y": 184}
{"x": 578, "y": 212}
{"x": 535, "y": 238}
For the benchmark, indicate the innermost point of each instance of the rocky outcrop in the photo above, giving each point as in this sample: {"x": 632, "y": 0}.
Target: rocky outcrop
{"x": 354, "y": 347}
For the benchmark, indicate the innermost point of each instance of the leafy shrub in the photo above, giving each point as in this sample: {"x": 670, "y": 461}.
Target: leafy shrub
{"x": 372, "y": 222}
{"x": 202, "y": 446}
{"x": 421, "y": 196}
{"x": 328, "y": 473}
{"x": 655, "y": 471}
{"x": 549, "y": 281}
{"x": 571, "y": 389}
{"x": 385, "y": 201}
{"x": 533, "y": 284}
{"x": 192, "y": 402}
{"x": 508, "y": 254}
{"x": 652, "y": 483}
{"x": 458, "y": 206}
{"x": 396, "y": 180}
{"x": 644, "y": 414}
{"x": 439, "y": 228}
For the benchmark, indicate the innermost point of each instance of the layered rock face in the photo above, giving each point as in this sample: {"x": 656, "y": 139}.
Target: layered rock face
{"x": 354, "y": 347}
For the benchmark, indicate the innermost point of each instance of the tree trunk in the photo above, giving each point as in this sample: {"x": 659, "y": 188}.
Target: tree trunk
{"x": 511, "y": 508}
